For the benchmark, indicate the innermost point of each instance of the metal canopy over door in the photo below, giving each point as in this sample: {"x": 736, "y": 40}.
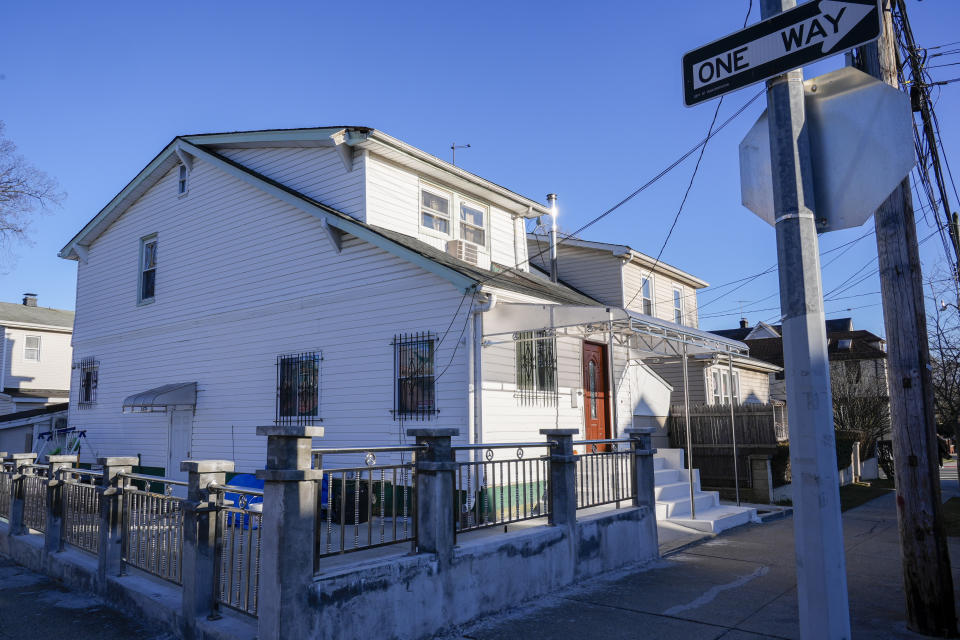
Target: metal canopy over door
{"x": 595, "y": 409}
{"x": 180, "y": 437}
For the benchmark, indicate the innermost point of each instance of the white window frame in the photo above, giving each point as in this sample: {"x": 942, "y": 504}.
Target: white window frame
{"x": 484, "y": 212}
{"x": 678, "y": 306}
{"x": 27, "y": 348}
{"x": 183, "y": 180}
{"x": 716, "y": 377}
{"x": 648, "y": 279}
{"x": 451, "y": 206}
{"x": 144, "y": 241}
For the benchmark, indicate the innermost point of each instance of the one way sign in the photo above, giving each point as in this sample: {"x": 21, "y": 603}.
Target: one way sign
{"x": 792, "y": 39}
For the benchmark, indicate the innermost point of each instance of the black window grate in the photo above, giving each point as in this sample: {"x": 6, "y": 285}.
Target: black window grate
{"x": 414, "y": 392}
{"x": 298, "y": 388}
{"x": 536, "y": 367}
{"x": 88, "y": 369}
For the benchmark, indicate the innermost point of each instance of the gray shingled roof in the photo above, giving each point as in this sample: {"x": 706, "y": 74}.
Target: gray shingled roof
{"x": 511, "y": 280}
{"x": 22, "y": 314}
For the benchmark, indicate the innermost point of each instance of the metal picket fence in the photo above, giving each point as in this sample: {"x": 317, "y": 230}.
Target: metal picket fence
{"x": 152, "y": 525}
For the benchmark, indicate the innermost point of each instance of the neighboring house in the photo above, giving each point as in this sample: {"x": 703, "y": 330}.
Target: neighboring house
{"x": 22, "y": 431}
{"x": 620, "y": 276}
{"x": 859, "y": 356}
{"x": 339, "y": 277}
{"x": 615, "y": 274}
{"x": 35, "y": 355}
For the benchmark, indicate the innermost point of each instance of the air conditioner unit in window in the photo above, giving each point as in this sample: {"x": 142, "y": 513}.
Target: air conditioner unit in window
{"x": 463, "y": 250}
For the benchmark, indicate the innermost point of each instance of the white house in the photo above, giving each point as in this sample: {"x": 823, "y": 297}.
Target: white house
{"x": 34, "y": 355}
{"x": 338, "y": 276}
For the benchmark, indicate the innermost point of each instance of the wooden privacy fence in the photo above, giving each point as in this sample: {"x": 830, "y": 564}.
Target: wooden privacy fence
{"x": 712, "y": 437}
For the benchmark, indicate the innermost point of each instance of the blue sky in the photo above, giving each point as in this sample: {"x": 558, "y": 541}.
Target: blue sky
{"x": 580, "y": 99}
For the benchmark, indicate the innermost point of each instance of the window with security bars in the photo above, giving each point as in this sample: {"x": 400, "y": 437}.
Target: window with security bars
{"x": 536, "y": 367}
{"x": 415, "y": 388}
{"x": 88, "y": 372}
{"x": 298, "y": 388}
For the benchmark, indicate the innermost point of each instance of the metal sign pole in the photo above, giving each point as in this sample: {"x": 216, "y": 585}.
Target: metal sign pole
{"x": 818, "y": 532}
{"x": 733, "y": 430}
{"x": 686, "y": 415}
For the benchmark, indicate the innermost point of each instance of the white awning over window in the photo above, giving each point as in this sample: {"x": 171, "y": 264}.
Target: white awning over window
{"x": 650, "y": 335}
{"x": 179, "y": 395}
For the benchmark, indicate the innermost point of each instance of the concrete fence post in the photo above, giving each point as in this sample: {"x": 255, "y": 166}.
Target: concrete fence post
{"x": 435, "y": 504}
{"x": 563, "y": 477}
{"x": 287, "y": 532}
{"x": 17, "y": 496}
{"x": 199, "y": 539}
{"x": 110, "y": 545}
{"x": 643, "y": 473}
{"x": 53, "y": 536}
{"x": 761, "y": 476}
{"x": 855, "y": 462}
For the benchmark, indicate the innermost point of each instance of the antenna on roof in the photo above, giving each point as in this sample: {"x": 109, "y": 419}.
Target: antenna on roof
{"x": 453, "y": 149}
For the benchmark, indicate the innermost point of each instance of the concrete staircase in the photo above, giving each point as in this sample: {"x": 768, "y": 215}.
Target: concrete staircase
{"x": 672, "y": 493}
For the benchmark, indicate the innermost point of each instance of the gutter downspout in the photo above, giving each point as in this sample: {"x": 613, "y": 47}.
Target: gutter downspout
{"x": 477, "y": 372}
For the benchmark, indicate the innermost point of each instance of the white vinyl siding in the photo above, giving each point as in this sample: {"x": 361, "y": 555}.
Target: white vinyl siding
{"x": 596, "y": 273}
{"x": 317, "y": 172}
{"x": 236, "y": 291}
{"x": 51, "y": 371}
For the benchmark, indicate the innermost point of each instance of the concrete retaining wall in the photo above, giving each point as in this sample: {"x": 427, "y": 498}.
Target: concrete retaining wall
{"x": 419, "y": 596}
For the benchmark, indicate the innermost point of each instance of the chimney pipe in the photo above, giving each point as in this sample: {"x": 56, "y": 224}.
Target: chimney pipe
{"x": 743, "y": 323}
{"x": 29, "y": 299}
{"x": 552, "y": 200}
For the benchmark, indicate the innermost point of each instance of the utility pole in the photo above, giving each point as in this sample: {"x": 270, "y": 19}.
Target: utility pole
{"x": 818, "y": 532}
{"x": 927, "y": 581}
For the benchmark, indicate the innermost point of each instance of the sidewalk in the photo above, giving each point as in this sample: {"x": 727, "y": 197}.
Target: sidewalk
{"x": 737, "y": 586}
{"x": 34, "y": 606}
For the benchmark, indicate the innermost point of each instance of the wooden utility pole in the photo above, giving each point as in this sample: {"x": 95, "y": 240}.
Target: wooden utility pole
{"x": 927, "y": 579}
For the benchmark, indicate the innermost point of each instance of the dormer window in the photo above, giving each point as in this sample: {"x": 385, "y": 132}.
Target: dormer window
{"x": 472, "y": 223}
{"x": 435, "y": 211}
{"x": 182, "y": 180}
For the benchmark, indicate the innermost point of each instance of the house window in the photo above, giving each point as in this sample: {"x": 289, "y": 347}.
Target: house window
{"x": 435, "y": 211}
{"x": 31, "y": 348}
{"x": 298, "y": 388}
{"x": 182, "y": 180}
{"x": 414, "y": 391}
{"x": 536, "y": 367}
{"x": 88, "y": 370}
{"x": 646, "y": 296}
{"x": 678, "y": 306}
{"x": 148, "y": 269}
{"x": 721, "y": 386}
{"x": 472, "y": 223}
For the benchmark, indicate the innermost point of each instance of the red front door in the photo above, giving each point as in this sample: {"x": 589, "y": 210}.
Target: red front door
{"x": 595, "y": 391}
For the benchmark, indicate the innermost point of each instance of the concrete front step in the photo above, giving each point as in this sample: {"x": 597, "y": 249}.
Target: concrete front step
{"x": 659, "y": 463}
{"x": 717, "y": 519}
{"x": 669, "y": 476}
{"x": 672, "y": 508}
{"x": 673, "y": 491}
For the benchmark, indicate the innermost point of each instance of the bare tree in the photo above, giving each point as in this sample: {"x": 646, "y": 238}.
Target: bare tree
{"x": 23, "y": 190}
{"x": 945, "y": 360}
{"x": 860, "y": 405}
